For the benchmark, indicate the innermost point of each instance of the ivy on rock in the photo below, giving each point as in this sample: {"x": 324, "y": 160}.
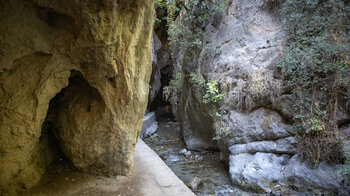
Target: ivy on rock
{"x": 316, "y": 66}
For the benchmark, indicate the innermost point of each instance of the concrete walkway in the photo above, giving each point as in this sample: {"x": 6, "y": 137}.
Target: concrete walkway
{"x": 156, "y": 177}
{"x": 151, "y": 177}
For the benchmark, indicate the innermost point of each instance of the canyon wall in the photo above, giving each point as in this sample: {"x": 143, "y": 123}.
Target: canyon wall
{"x": 74, "y": 80}
{"x": 253, "y": 124}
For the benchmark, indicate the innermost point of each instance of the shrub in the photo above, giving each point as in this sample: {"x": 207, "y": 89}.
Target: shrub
{"x": 195, "y": 79}
{"x": 174, "y": 86}
{"x": 194, "y": 15}
{"x": 316, "y": 62}
{"x": 212, "y": 93}
{"x": 221, "y": 133}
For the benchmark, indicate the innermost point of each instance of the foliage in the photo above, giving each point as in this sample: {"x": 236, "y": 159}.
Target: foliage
{"x": 345, "y": 171}
{"x": 258, "y": 84}
{"x": 212, "y": 93}
{"x": 186, "y": 21}
{"x": 159, "y": 3}
{"x": 194, "y": 15}
{"x": 176, "y": 82}
{"x": 174, "y": 86}
{"x": 251, "y": 91}
{"x": 211, "y": 90}
{"x": 316, "y": 66}
{"x": 196, "y": 79}
{"x": 223, "y": 132}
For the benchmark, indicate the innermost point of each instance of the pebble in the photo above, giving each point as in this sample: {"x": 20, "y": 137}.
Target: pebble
{"x": 183, "y": 151}
{"x": 198, "y": 158}
{"x": 195, "y": 183}
{"x": 188, "y": 153}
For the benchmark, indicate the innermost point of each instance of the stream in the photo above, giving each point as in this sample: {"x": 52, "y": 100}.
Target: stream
{"x": 204, "y": 166}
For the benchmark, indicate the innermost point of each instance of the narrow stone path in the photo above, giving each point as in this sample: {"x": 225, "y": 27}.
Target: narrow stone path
{"x": 154, "y": 176}
{"x": 151, "y": 177}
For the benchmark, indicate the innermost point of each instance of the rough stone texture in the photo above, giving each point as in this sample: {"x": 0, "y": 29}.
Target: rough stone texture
{"x": 245, "y": 41}
{"x": 195, "y": 122}
{"x": 155, "y": 82}
{"x": 256, "y": 172}
{"x": 99, "y": 53}
{"x": 248, "y": 36}
{"x": 151, "y": 177}
{"x": 281, "y": 146}
{"x": 269, "y": 173}
{"x": 261, "y": 124}
{"x": 325, "y": 178}
{"x": 149, "y": 125}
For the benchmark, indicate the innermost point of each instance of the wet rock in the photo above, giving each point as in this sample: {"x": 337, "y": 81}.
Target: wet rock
{"x": 149, "y": 124}
{"x": 173, "y": 158}
{"x": 195, "y": 183}
{"x": 151, "y": 129}
{"x": 183, "y": 151}
{"x": 188, "y": 153}
{"x": 257, "y": 172}
{"x": 198, "y": 158}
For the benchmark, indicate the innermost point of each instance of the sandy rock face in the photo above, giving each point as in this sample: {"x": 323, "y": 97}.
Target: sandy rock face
{"x": 77, "y": 72}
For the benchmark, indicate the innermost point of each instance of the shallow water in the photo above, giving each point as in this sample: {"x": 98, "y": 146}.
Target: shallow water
{"x": 167, "y": 142}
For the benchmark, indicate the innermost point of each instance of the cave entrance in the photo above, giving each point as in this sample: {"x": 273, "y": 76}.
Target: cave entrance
{"x": 76, "y": 107}
{"x": 159, "y": 104}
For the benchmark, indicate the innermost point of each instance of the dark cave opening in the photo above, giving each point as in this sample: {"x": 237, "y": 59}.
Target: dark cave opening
{"x": 77, "y": 97}
{"x": 159, "y": 101}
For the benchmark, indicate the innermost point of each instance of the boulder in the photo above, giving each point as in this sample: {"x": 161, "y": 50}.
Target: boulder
{"x": 195, "y": 183}
{"x": 274, "y": 174}
{"x": 281, "y": 146}
{"x": 259, "y": 125}
{"x": 257, "y": 172}
{"x": 323, "y": 179}
{"x": 76, "y": 74}
{"x": 149, "y": 125}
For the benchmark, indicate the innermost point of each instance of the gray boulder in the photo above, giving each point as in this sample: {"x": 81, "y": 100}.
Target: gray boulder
{"x": 280, "y": 146}
{"x": 271, "y": 173}
{"x": 257, "y": 172}
{"x": 149, "y": 125}
{"x": 324, "y": 179}
{"x": 259, "y": 125}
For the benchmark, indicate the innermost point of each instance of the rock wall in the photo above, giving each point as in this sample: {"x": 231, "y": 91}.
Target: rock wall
{"x": 254, "y": 120}
{"x": 91, "y": 62}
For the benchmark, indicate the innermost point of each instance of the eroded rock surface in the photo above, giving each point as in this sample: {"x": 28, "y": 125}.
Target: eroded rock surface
{"x": 282, "y": 174}
{"x": 252, "y": 125}
{"x": 92, "y": 59}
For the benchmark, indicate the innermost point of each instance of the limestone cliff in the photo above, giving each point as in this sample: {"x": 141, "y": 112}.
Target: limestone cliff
{"x": 76, "y": 71}
{"x": 252, "y": 125}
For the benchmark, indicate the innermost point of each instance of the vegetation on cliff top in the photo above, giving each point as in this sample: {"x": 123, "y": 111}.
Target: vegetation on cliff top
{"x": 186, "y": 21}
